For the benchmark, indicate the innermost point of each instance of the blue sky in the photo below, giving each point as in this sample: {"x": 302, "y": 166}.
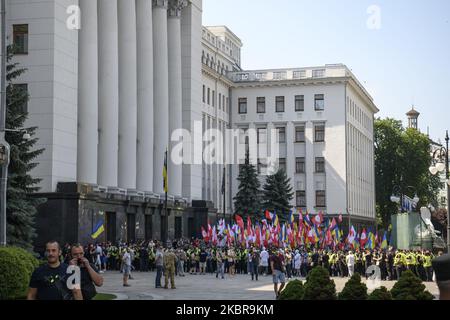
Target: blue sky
{"x": 405, "y": 62}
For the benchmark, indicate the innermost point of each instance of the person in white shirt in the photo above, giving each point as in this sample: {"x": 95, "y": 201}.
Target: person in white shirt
{"x": 297, "y": 263}
{"x": 126, "y": 260}
{"x": 264, "y": 262}
{"x": 98, "y": 255}
{"x": 350, "y": 259}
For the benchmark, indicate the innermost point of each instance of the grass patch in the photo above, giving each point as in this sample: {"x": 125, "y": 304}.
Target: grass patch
{"x": 104, "y": 296}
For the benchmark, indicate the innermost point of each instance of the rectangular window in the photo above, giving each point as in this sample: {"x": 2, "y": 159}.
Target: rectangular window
{"x": 318, "y": 73}
{"x": 223, "y": 102}
{"x": 319, "y": 102}
{"x": 262, "y": 135}
{"x": 227, "y": 104}
{"x": 220, "y": 101}
{"x": 320, "y": 199}
{"x": 281, "y": 135}
{"x": 319, "y": 133}
{"x": 22, "y": 91}
{"x": 204, "y": 94}
{"x": 20, "y": 38}
{"x": 282, "y": 164}
{"x": 279, "y": 104}
{"x": 320, "y": 165}
{"x": 209, "y": 96}
{"x": 213, "y": 98}
{"x": 261, "y": 105}
{"x": 301, "y": 198}
{"x": 242, "y": 105}
{"x": 299, "y": 103}
{"x": 300, "y": 134}
{"x": 300, "y": 165}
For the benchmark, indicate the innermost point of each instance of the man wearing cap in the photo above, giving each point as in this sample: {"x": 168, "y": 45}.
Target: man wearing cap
{"x": 441, "y": 267}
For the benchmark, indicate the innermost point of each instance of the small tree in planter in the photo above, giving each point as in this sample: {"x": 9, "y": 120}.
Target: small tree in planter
{"x": 319, "y": 286}
{"x": 381, "y": 293}
{"x": 410, "y": 287}
{"x": 354, "y": 289}
{"x": 294, "y": 291}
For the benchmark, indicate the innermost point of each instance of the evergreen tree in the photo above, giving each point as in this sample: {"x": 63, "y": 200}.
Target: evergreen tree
{"x": 247, "y": 199}
{"x": 354, "y": 289}
{"x": 21, "y": 209}
{"x": 410, "y": 287}
{"x": 381, "y": 293}
{"x": 319, "y": 285}
{"x": 278, "y": 194}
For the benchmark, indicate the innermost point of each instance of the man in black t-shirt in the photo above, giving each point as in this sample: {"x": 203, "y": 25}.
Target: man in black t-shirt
{"x": 203, "y": 256}
{"x": 48, "y": 282}
{"x": 277, "y": 265}
{"x": 89, "y": 275}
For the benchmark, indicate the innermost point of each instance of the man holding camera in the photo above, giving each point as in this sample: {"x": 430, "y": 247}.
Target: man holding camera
{"x": 88, "y": 272}
{"x": 49, "y": 282}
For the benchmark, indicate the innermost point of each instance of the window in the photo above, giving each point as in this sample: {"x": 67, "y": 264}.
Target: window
{"x": 22, "y": 91}
{"x": 227, "y": 104}
{"x": 243, "y": 136}
{"x": 320, "y": 199}
{"x": 279, "y": 104}
{"x": 299, "y": 103}
{"x": 319, "y": 102}
{"x": 281, "y": 135}
{"x": 220, "y": 101}
{"x": 20, "y": 38}
{"x": 318, "y": 73}
{"x": 262, "y": 135}
{"x": 282, "y": 164}
{"x": 213, "y": 98}
{"x": 204, "y": 94}
{"x": 319, "y": 133}
{"x": 242, "y": 105}
{"x": 223, "y": 102}
{"x": 320, "y": 165}
{"x": 301, "y": 198}
{"x": 261, "y": 105}
{"x": 300, "y": 134}
{"x": 300, "y": 165}
{"x": 209, "y": 94}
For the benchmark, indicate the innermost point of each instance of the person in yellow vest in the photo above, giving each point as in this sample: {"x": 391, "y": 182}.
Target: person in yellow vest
{"x": 398, "y": 263}
{"x": 427, "y": 264}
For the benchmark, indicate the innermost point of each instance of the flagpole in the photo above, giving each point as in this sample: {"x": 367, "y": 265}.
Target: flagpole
{"x": 166, "y": 216}
{"x": 223, "y": 191}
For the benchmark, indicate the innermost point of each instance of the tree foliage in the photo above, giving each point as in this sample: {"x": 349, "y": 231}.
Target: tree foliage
{"x": 354, "y": 289}
{"x": 247, "y": 200}
{"x": 21, "y": 209}
{"x": 402, "y": 158}
{"x": 410, "y": 287}
{"x": 294, "y": 291}
{"x": 319, "y": 286}
{"x": 278, "y": 194}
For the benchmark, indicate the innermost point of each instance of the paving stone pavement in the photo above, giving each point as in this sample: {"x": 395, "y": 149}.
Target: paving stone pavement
{"x": 205, "y": 287}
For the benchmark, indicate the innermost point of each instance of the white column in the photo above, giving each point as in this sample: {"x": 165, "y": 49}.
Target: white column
{"x": 175, "y": 89}
{"x": 144, "y": 95}
{"x": 161, "y": 92}
{"x": 309, "y": 164}
{"x": 87, "y": 94}
{"x": 290, "y": 157}
{"x": 127, "y": 94}
{"x": 108, "y": 93}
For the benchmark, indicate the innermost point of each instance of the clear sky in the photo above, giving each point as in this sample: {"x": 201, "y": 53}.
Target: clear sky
{"x": 402, "y": 58}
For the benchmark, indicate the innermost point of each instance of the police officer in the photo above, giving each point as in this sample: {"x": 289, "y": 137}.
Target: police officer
{"x": 441, "y": 266}
{"x": 427, "y": 265}
{"x": 170, "y": 260}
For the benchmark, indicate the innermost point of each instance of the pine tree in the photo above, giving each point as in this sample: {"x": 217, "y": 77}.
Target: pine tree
{"x": 247, "y": 199}
{"x": 354, "y": 289}
{"x": 278, "y": 194}
{"x": 410, "y": 287}
{"x": 21, "y": 209}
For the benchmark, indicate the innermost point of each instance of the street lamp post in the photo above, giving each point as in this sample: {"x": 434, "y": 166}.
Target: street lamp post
{"x": 439, "y": 164}
{"x": 4, "y": 146}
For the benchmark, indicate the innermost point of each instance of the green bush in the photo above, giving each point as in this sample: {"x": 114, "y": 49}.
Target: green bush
{"x": 410, "y": 287}
{"x": 381, "y": 293}
{"x": 319, "y": 286}
{"x": 16, "y": 267}
{"x": 354, "y": 289}
{"x": 293, "y": 291}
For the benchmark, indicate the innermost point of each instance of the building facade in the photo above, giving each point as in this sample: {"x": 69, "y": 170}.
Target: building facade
{"x": 111, "y": 82}
{"x": 322, "y": 120}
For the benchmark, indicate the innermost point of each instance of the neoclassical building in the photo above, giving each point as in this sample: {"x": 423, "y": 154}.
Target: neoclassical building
{"x": 110, "y": 81}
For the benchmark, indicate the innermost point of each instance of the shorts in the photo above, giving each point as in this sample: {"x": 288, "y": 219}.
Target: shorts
{"x": 278, "y": 276}
{"x": 202, "y": 265}
{"x": 126, "y": 270}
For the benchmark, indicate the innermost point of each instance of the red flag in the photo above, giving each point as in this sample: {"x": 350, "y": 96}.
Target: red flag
{"x": 240, "y": 222}
{"x": 249, "y": 226}
{"x": 300, "y": 216}
{"x": 268, "y": 215}
{"x": 205, "y": 234}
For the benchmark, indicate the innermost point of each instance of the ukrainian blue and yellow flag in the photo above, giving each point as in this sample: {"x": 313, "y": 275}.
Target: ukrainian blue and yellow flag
{"x": 98, "y": 230}
{"x": 165, "y": 182}
{"x": 384, "y": 243}
{"x": 291, "y": 217}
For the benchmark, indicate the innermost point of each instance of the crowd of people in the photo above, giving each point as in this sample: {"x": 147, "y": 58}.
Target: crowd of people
{"x": 196, "y": 257}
